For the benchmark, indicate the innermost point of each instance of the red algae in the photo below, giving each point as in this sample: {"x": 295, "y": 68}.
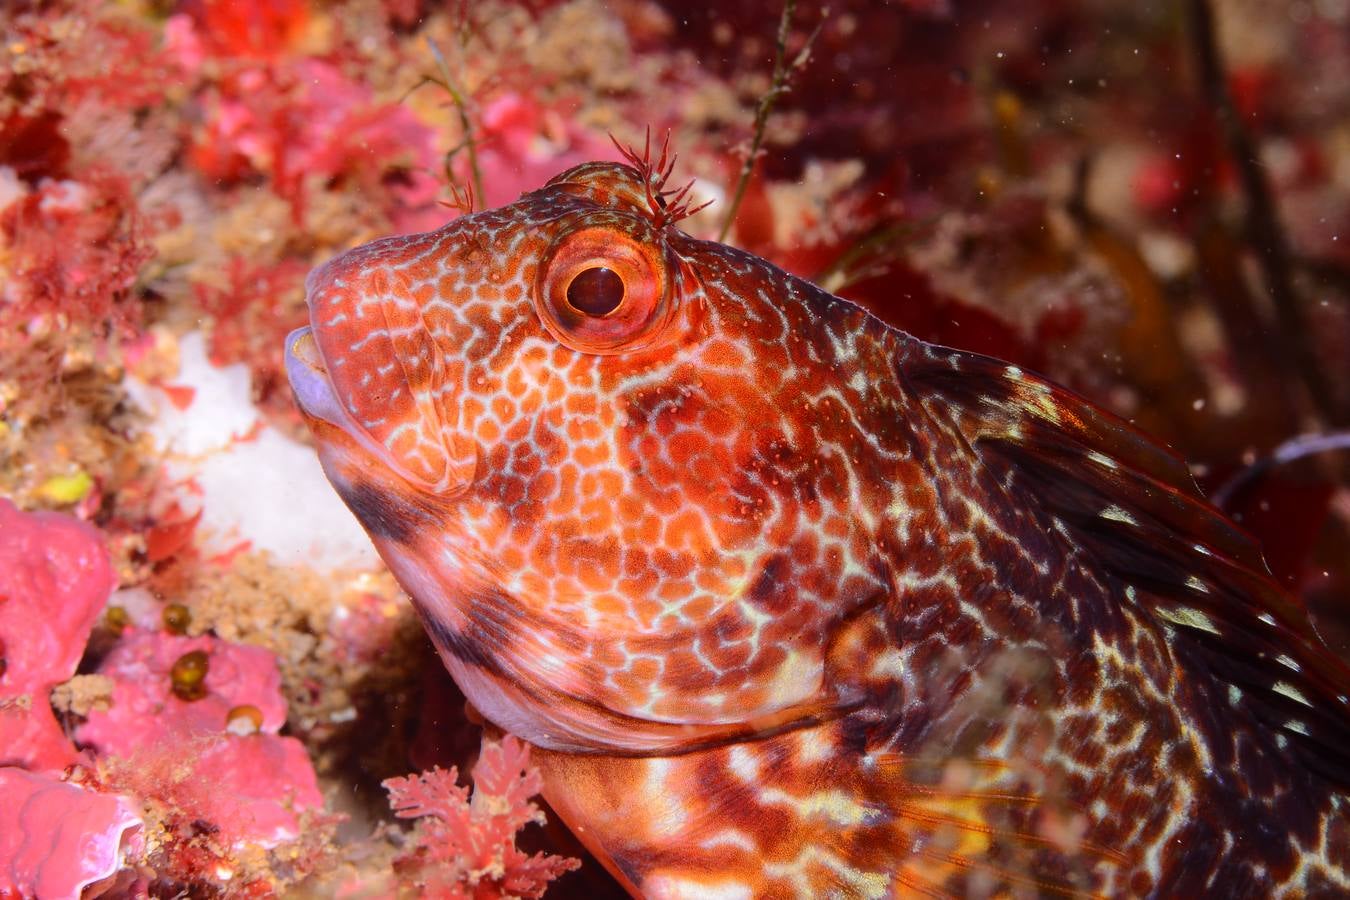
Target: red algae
{"x": 465, "y": 844}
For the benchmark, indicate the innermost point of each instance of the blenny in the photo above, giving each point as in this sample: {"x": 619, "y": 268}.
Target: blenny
{"x": 791, "y": 603}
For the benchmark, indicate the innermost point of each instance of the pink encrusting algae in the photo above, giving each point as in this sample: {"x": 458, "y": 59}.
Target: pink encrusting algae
{"x": 240, "y": 775}
{"x": 57, "y": 838}
{"x": 55, "y": 577}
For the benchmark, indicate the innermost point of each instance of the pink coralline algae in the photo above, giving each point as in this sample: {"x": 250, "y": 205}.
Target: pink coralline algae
{"x": 465, "y": 847}
{"x": 525, "y": 143}
{"x": 248, "y": 781}
{"x": 145, "y": 710}
{"x": 298, "y": 121}
{"x": 55, "y": 577}
{"x": 57, "y": 838}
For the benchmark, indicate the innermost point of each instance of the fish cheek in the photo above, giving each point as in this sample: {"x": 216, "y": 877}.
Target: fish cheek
{"x": 459, "y": 644}
{"x": 386, "y": 515}
{"x": 771, "y": 591}
{"x": 676, "y": 444}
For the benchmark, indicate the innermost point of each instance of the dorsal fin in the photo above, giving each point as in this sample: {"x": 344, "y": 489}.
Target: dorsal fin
{"x": 1134, "y": 508}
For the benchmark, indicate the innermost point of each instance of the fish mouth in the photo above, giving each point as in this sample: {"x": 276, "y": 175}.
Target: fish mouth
{"x": 308, "y": 375}
{"x": 318, "y": 398}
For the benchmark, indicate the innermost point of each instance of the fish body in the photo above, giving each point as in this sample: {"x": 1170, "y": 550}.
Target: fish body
{"x": 791, "y": 603}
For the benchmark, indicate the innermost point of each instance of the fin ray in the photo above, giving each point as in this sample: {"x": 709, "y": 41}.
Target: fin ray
{"x": 1133, "y": 507}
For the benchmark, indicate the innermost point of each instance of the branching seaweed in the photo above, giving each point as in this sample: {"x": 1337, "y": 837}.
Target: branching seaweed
{"x": 782, "y": 70}
{"x": 470, "y": 143}
{"x": 1265, "y": 233}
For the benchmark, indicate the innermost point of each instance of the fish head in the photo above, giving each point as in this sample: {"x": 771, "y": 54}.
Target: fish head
{"x": 410, "y": 335}
{"x": 608, "y": 460}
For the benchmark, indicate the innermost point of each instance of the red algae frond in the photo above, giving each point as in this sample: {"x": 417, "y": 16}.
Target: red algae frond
{"x": 467, "y": 843}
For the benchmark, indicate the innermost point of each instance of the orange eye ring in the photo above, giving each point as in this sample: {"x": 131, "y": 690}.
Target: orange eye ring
{"x": 601, "y": 290}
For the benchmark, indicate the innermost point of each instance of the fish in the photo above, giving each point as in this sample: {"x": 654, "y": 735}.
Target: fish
{"x": 790, "y": 603}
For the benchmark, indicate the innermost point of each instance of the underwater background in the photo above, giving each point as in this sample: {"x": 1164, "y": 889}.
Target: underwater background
{"x": 205, "y": 672}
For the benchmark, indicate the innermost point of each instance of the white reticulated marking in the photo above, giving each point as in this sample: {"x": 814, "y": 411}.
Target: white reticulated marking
{"x": 1191, "y": 618}
{"x": 837, "y": 806}
{"x": 674, "y": 887}
{"x": 1228, "y": 843}
{"x": 1267, "y": 618}
{"x": 667, "y": 813}
{"x": 1116, "y": 514}
{"x": 1181, "y": 814}
{"x": 1013, "y": 372}
{"x": 814, "y": 745}
{"x": 889, "y": 663}
{"x": 731, "y": 837}
{"x": 1234, "y": 695}
{"x": 1293, "y": 693}
{"x": 1197, "y": 585}
{"x": 1102, "y": 460}
{"x": 1287, "y": 662}
{"x": 744, "y": 764}
{"x": 1297, "y": 726}
{"x": 797, "y": 678}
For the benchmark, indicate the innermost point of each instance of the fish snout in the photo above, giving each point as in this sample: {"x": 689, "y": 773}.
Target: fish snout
{"x": 367, "y": 365}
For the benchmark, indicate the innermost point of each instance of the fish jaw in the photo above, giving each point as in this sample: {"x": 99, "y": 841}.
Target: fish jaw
{"x": 422, "y": 557}
{"x": 368, "y": 366}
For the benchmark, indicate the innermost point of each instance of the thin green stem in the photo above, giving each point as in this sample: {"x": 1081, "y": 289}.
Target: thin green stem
{"x": 782, "y": 69}
{"x": 470, "y": 144}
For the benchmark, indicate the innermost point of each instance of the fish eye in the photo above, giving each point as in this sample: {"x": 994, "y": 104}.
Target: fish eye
{"x": 605, "y": 288}
{"x": 596, "y": 291}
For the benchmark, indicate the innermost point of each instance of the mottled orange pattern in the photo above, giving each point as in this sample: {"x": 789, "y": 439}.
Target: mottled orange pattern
{"x": 794, "y": 604}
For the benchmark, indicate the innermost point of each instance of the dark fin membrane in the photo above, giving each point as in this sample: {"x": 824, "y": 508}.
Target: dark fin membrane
{"x": 1134, "y": 508}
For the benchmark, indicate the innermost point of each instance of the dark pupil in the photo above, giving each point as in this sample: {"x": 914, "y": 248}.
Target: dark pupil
{"x": 596, "y": 291}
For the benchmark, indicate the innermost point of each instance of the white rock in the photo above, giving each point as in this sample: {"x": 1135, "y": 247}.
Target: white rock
{"x": 251, "y": 482}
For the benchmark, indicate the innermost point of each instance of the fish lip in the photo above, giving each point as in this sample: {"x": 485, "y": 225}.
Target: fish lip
{"x": 318, "y": 399}
{"x": 308, "y": 375}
